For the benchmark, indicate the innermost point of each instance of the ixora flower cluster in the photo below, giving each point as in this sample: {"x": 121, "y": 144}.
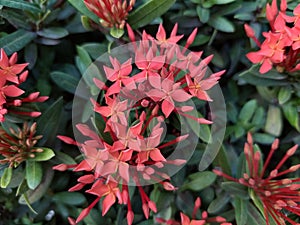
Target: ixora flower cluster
{"x": 139, "y": 101}
{"x": 12, "y": 75}
{"x": 281, "y": 46}
{"x": 276, "y": 198}
{"x": 112, "y": 13}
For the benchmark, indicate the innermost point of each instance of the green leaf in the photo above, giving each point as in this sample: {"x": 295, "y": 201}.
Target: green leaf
{"x": 53, "y": 32}
{"x": 84, "y": 56}
{"x": 65, "y": 81}
{"x": 284, "y": 95}
{"x": 292, "y": 115}
{"x": 235, "y": 189}
{"x": 240, "y": 206}
{"x": 222, "y": 161}
{"x": 49, "y": 122}
{"x": 199, "y": 181}
{"x": 27, "y": 202}
{"x": 64, "y": 158}
{"x": 31, "y": 54}
{"x": 22, "y": 188}
{"x": 6, "y": 177}
{"x": 43, "y": 154}
{"x": 116, "y": 33}
{"x": 16, "y": 41}
{"x": 263, "y": 138}
{"x": 15, "y": 18}
{"x": 147, "y": 12}
{"x": 17, "y": 177}
{"x": 21, "y": 5}
{"x": 221, "y": 2}
{"x": 94, "y": 49}
{"x": 69, "y": 198}
{"x": 271, "y": 78}
{"x": 274, "y": 122}
{"x": 221, "y": 23}
{"x": 39, "y": 192}
{"x": 203, "y": 14}
{"x": 80, "y": 6}
{"x": 218, "y": 203}
{"x": 34, "y": 174}
{"x": 254, "y": 217}
{"x": 247, "y": 111}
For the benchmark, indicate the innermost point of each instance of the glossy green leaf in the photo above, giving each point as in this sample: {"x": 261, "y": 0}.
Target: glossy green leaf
{"x": 65, "y": 81}
{"x": 263, "y": 138}
{"x": 284, "y": 95}
{"x": 64, "y": 158}
{"x": 292, "y": 115}
{"x": 222, "y": 161}
{"x": 203, "y": 14}
{"x": 34, "y": 174}
{"x": 80, "y": 6}
{"x": 84, "y": 56}
{"x": 16, "y": 41}
{"x": 258, "y": 117}
{"x": 15, "y": 18}
{"x": 247, "y": 111}
{"x": 21, "y": 5}
{"x": 69, "y": 198}
{"x": 94, "y": 49}
{"x": 31, "y": 54}
{"x": 218, "y": 203}
{"x": 43, "y": 154}
{"x": 221, "y": 2}
{"x": 268, "y": 93}
{"x": 22, "y": 188}
{"x": 241, "y": 206}
{"x": 6, "y": 177}
{"x": 49, "y": 122}
{"x": 17, "y": 177}
{"x": 271, "y": 78}
{"x": 199, "y": 181}
{"x": 221, "y": 24}
{"x": 200, "y": 40}
{"x": 53, "y": 32}
{"x": 254, "y": 216}
{"x": 39, "y": 192}
{"x": 274, "y": 122}
{"x": 235, "y": 189}
{"x": 147, "y": 12}
{"x": 27, "y": 202}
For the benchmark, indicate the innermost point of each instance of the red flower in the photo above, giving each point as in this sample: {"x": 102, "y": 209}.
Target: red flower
{"x": 169, "y": 93}
{"x": 149, "y": 94}
{"x": 112, "y": 13}
{"x": 11, "y": 76}
{"x": 281, "y": 44}
{"x": 278, "y": 196}
{"x": 109, "y": 190}
{"x": 8, "y": 67}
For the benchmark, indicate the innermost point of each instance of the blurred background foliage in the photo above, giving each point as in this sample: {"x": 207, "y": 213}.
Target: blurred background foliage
{"x": 60, "y": 39}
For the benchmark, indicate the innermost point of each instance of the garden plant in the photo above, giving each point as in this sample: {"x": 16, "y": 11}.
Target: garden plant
{"x": 148, "y": 112}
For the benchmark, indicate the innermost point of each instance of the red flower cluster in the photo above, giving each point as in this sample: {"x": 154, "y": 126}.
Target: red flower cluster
{"x": 112, "y": 13}
{"x": 135, "y": 107}
{"x": 185, "y": 220}
{"x": 11, "y": 76}
{"x": 281, "y": 46}
{"x": 277, "y": 196}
